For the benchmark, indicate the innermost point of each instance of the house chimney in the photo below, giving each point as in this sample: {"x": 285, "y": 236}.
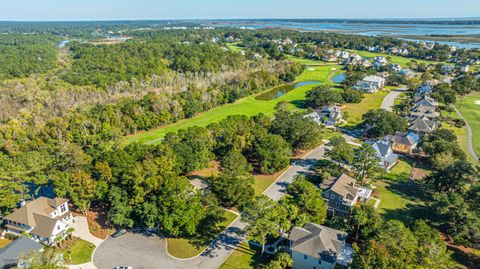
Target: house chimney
{"x": 22, "y": 202}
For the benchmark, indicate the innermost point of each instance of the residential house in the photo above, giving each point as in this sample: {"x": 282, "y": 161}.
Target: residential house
{"x": 342, "y": 194}
{"x": 386, "y": 158}
{"x": 11, "y": 255}
{"x": 330, "y": 58}
{"x": 403, "y": 51}
{"x": 423, "y": 126}
{"x": 44, "y": 218}
{"x": 425, "y": 100}
{"x": 370, "y": 84}
{"x": 379, "y": 62}
{"x": 464, "y": 68}
{"x": 406, "y": 73}
{"x": 403, "y": 142}
{"x": 424, "y": 111}
{"x": 395, "y": 67}
{"x": 319, "y": 247}
{"x": 328, "y": 115}
{"x": 365, "y": 63}
{"x": 353, "y": 59}
{"x": 425, "y": 89}
{"x": 447, "y": 69}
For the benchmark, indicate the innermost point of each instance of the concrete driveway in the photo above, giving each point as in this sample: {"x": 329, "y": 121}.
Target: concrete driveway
{"x": 389, "y": 100}
{"x": 142, "y": 252}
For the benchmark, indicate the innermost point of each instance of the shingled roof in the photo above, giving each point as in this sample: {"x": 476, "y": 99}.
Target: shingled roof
{"x": 12, "y": 252}
{"x": 41, "y": 206}
{"x": 317, "y": 241}
{"x": 344, "y": 185}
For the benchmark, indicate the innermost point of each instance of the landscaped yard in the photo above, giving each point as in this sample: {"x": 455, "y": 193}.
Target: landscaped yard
{"x": 400, "y": 172}
{"x": 80, "y": 252}
{"x": 356, "y": 111}
{"x": 305, "y": 61}
{"x": 248, "y": 106}
{"x": 461, "y": 133}
{"x": 469, "y": 106}
{"x": 403, "y": 61}
{"x": 402, "y": 200}
{"x": 245, "y": 256}
{"x": 263, "y": 181}
{"x": 184, "y": 248}
{"x": 4, "y": 243}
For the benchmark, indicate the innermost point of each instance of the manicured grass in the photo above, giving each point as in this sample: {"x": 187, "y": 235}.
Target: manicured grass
{"x": 328, "y": 134}
{"x": 402, "y": 200}
{"x": 461, "y": 133}
{"x": 234, "y": 46}
{"x": 403, "y": 61}
{"x": 262, "y": 182}
{"x": 356, "y": 111}
{"x": 245, "y": 256}
{"x": 80, "y": 252}
{"x": 400, "y": 172}
{"x": 183, "y": 248}
{"x": 4, "y": 242}
{"x": 305, "y": 61}
{"x": 248, "y": 106}
{"x": 319, "y": 73}
{"x": 471, "y": 111}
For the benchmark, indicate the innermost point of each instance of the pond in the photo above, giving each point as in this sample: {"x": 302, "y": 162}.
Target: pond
{"x": 281, "y": 90}
{"x": 338, "y": 78}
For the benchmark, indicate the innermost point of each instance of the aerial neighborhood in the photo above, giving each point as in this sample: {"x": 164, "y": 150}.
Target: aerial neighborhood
{"x": 238, "y": 144}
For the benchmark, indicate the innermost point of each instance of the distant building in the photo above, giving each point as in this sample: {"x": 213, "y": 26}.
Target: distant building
{"x": 342, "y": 194}
{"x": 44, "y": 218}
{"x": 464, "y": 68}
{"x": 395, "y": 67}
{"x": 424, "y": 111}
{"x": 330, "y": 58}
{"x": 423, "y": 126}
{"x": 370, "y": 84}
{"x": 319, "y": 247}
{"x": 403, "y": 142}
{"x": 447, "y": 69}
{"x": 328, "y": 115}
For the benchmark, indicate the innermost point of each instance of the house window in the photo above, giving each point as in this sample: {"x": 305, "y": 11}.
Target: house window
{"x": 339, "y": 198}
{"x": 332, "y": 196}
{"x": 319, "y": 261}
{"x": 63, "y": 208}
{"x": 304, "y": 257}
{"x": 58, "y": 227}
{"x": 336, "y": 205}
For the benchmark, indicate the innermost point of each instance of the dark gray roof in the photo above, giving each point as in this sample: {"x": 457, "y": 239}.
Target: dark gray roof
{"x": 317, "y": 241}
{"x": 12, "y": 252}
{"x": 422, "y": 125}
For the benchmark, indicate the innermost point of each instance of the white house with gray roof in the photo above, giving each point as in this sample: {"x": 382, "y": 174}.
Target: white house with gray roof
{"x": 386, "y": 158}
{"x": 370, "y": 84}
{"x": 11, "y": 255}
{"x": 44, "y": 218}
{"x": 319, "y": 247}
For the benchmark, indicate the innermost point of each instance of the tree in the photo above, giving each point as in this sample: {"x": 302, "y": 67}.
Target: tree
{"x": 273, "y": 153}
{"x": 432, "y": 250}
{"x": 308, "y": 198}
{"x": 366, "y": 221}
{"x": 82, "y": 190}
{"x": 262, "y": 217}
{"x": 380, "y": 123}
{"x": 299, "y": 132}
{"x": 233, "y": 190}
{"x": 281, "y": 261}
{"x": 453, "y": 178}
{"x": 444, "y": 94}
{"x": 365, "y": 162}
{"x": 323, "y": 96}
{"x": 50, "y": 258}
{"x": 235, "y": 164}
{"x": 10, "y": 194}
{"x": 340, "y": 150}
{"x": 442, "y": 147}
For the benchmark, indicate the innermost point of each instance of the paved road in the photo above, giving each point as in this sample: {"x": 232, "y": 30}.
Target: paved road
{"x": 470, "y": 135}
{"x": 389, "y": 100}
{"x": 141, "y": 252}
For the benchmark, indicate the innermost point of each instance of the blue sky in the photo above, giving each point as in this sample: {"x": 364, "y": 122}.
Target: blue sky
{"x": 202, "y": 9}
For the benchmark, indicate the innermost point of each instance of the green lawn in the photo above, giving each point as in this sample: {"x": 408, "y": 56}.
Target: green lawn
{"x": 248, "y": 106}
{"x": 305, "y": 61}
{"x": 461, "y": 133}
{"x": 245, "y": 256}
{"x": 403, "y": 61}
{"x": 400, "y": 172}
{"x": 319, "y": 73}
{"x": 402, "y": 200}
{"x": 184, "y": 248}
{"x": 234, "y": 46}
{"x": 356, "y": 111}
{"x": 80, "y": 252}
{"x": 4, "y": 242}
{"x": 471, "y": 111}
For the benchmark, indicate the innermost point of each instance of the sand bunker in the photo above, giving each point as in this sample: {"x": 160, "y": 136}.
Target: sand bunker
{"x": 477, "y": 102}
{"x": 311, "y": 69}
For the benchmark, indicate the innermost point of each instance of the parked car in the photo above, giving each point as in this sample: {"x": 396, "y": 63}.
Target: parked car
{"x": 119, "y": 233}
{"x": 123, "y": 267}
